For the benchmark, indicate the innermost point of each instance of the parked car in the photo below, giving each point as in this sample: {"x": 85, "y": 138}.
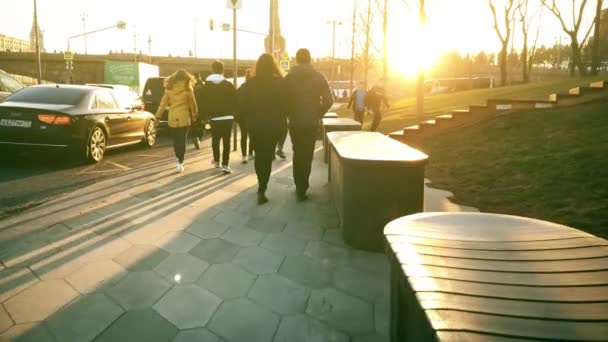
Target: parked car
{"x": 154, "y": 89}
{"x": 8, "y": 85}
{"x": 84, "y": 120}
{"x": 125, "y": 96}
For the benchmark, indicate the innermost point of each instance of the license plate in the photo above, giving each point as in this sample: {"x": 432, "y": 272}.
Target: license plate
{"x": 15, "y": 123}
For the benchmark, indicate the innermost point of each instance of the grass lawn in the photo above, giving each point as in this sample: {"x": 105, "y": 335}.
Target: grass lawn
{"x": 546, "y": 164}
{"x": 403, "y": 111}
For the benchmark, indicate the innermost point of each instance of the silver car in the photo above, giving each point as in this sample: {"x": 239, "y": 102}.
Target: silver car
{"x": 8, "y": 85}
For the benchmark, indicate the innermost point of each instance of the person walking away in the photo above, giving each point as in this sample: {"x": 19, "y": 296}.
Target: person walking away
{"x": 179, "y": 96}
{"x": 218, "y": 106}
{"x": 281, "y": 143}
{"x": 357, "y": 102}
{"x": 263, "y": 101}
{"x": 310, "y": 98}
{"x": 242, "y": 122}
{"x": 198, "y": 127}
{"x": 373, "y": 100}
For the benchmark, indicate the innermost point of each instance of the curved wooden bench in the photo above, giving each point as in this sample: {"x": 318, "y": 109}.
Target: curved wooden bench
{"x": 335, "y": 125}
{"x": 489, "y": 277}
{"x": 373, "y": 180}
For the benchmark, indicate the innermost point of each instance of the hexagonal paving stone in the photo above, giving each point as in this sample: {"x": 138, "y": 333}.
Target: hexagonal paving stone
{"x": 196, "y": 335}
{"x": 258, "y": 260}
{"x": 231, "y": 218}
{"x": 306, "y": 271}
{"x": 215, "y": 251}
{"x": 371, "y": 262}
{"x": 35, "y": 303}
{"x": 139, "y": 325}
{"x": 96, "y": 276}
{"x": 267, "y": 224}
{"x": 382, "y": 314}
{"x": 177, "y": 242}
{"x": 15, "y": 280}
{"x": 139, "y": 290}
{"x": 334, "y": 236}
{"x": 30, "y": 332}
{"x": 341, "y": 311}
{"x": 84, "y": 319}
{"x": 5, "y": 321}
{"x": 365, "y": 285}
{"x": 371, "y": 338}
{"x": 242, "y": 320}
{"x": 188, "y": 306}
{"x": 302, "y": 328}
{"x": 328, "y": 253}
{"x": 181, "y": 268}
{"x": 141, "y": 257}
{"x": 283, "y": 244}
{"x": 207, "y": 229}
{"x": 227, "y": 280}
{"x": 279, "y": 294}
{"x": 243, "y": 236}
{"x": 305, "y": 230}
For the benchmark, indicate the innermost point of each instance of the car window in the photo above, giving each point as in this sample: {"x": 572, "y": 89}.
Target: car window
{"x": 154, "y": 89}
{"x": 49, "y": 95}
{"x": 7, "y": 83}
{"x": 104, "y": 100}
{"x": 125, "y": 98}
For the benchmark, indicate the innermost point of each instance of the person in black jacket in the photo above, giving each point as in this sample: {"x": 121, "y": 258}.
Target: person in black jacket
{"x": 218, "y": 105}
{"x": 263, "y": 104}
{"x": 310, "y": 98}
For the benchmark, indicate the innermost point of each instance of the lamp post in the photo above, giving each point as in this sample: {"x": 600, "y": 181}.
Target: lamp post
{"x": 121, "y": 25}
{"x": 84, "y": 29}
{"x": 37, "y": 42}
{"x": 334, "y": 22}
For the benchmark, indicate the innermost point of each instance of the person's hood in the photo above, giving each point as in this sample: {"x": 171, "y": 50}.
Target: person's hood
{"x": 177, "y": 88}
{"x": 215, "y": 78}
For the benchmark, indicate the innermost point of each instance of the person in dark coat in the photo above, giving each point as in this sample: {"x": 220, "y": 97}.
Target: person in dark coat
{"x": 198, "y": 127}
{"x": 310, "y": 98}
{"x": 373, "y": 100}
{"x": 245, "y": 130}
{"x": 262, "y": 102}
{"x": 218, "y": 105}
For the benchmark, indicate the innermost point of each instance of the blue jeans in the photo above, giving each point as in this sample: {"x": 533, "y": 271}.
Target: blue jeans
{"x": 180, "y": 134}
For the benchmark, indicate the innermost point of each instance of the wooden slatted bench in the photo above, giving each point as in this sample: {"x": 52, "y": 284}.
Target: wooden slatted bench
{"x": 489, "y": 277}
{"x": 334, "y": 125}
{"x": 373, "y": 180}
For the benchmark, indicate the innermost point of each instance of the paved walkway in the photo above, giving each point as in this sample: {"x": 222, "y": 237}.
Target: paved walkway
{"x": 154, "y": 255}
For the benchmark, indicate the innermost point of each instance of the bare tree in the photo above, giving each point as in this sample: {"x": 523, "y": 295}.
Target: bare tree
{"x": 572, "y": 32}
{"x": 366, "y": 48}
{"x": 526, "y": 21}
{"x": 507, "y": 14}
{"x": 595, "y": 61}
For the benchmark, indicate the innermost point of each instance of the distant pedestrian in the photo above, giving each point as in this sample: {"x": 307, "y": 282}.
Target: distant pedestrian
{"x": 219, "y": 106}
{"x": 310, "y": 98}
{"x": 373, "y": 100}
{"x": 241, "y": 120}
{"x": 263, "y": 102}
{"x": 357, "y": 102}
{"x": 179, "y": 96}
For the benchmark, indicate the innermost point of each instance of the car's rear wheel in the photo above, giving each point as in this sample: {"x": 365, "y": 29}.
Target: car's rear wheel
{"x": 96, "y": 145}
{"x": 149, "y": 134}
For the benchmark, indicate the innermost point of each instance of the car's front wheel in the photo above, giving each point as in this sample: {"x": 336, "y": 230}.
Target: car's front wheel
{"x": 96, "y": 145}
{"x": 150, "y": 134}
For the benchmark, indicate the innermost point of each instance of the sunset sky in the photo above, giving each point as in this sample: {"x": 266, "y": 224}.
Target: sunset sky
{"x": 464, "y": 25}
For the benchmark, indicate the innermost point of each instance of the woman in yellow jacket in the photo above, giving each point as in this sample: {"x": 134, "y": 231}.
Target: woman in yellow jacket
{"x": 179, "y": 96}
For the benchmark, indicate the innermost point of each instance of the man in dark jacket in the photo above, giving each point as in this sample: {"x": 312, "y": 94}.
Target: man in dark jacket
{"x": 310, "y": 98}
{"x": 218, "y": 105}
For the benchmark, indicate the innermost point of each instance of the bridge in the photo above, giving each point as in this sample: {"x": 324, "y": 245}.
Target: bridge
{"x": 90, "y": 68}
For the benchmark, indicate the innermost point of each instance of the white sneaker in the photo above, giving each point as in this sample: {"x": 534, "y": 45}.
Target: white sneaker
{"x": 215, "y": 164}
{"x": 244, "y": 160}
{"x": 179, "y": 167}
{"x": 226, "y": 169}
{"x": 251, "y": 157}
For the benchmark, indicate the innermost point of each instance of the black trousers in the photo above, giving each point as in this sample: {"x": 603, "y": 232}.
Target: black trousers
{"x": 264, "y": 141}
{"x": 282, "y": 138}
{"x": 244, "y": 135}
{"x": 359, "y": 114}
{"x": 303, "y": 141}
{"x": 377, "y": 119}
{"x": 180, "y": 134}
{"x": 221, "y": 130}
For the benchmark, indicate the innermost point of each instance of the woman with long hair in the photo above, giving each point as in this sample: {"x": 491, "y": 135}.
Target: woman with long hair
{"x": 179, "y": 96}
{"x": 263, "y": 103}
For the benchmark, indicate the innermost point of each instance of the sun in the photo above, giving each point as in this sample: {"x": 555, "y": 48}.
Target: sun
{"x": 419, "y": 51}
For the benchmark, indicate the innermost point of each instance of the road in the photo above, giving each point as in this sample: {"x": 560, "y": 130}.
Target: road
{"x": 30, "y": 178}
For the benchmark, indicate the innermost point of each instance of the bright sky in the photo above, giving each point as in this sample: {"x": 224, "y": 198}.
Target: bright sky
{"x": 465, "y": 25}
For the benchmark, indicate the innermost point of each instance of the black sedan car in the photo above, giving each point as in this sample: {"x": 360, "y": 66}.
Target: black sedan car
{"x": 85, "y": 120}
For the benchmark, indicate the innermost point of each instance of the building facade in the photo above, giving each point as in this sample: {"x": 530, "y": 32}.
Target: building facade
{"x": 12, "y": 44}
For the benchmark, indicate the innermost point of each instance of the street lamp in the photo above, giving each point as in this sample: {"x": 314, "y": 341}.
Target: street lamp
{"x": 334, "y": 22}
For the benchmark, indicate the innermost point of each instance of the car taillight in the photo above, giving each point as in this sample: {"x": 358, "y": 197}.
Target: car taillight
{"x": 53, "y": 119}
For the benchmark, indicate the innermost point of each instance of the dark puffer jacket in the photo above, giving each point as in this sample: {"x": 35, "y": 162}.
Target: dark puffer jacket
{"x": 263, "y": 103}
{"x": 310, "y": 97}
